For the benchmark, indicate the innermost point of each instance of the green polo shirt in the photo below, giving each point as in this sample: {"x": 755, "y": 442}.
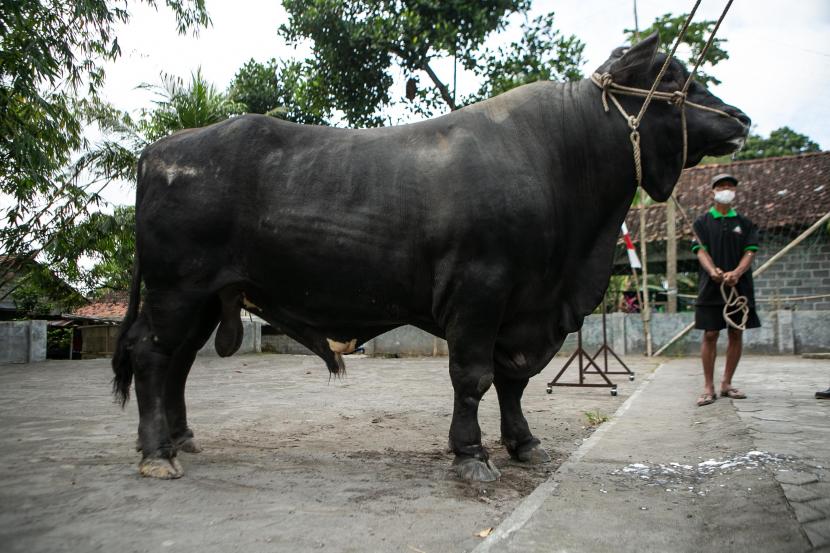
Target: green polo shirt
{"x": 726, "y": 238}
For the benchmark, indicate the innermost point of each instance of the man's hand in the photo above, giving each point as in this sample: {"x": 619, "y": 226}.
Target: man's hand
{"x": 731, "y": 278}
{"x": 717, "y": 276}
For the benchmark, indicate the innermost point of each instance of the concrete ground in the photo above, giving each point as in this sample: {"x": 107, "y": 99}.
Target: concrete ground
{"x": 666, "y": 475}
{"x": 293, "y": 462}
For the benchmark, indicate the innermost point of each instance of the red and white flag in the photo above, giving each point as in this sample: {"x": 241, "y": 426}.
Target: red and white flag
{"x": 633, "y": 260}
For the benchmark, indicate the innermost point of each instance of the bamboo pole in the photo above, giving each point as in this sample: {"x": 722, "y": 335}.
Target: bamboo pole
{"x": 645, "y": 307}
{"x": 671, "y": 257}
{"x": 767, "y": 264}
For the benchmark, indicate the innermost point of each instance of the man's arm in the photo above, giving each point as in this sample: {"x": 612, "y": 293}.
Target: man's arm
{"x": 715, "y": 273}
{"x": 734, "y": 275}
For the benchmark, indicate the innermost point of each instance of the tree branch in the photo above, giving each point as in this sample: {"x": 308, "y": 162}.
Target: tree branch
{"x": 442, "y": 88}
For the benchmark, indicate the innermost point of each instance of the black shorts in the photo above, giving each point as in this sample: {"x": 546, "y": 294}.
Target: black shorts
{"x": 710, "y": 317}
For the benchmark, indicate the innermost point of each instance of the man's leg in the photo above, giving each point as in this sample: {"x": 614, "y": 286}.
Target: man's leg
{"x": 733, "y": 356}
{"x": 708, "y": 352}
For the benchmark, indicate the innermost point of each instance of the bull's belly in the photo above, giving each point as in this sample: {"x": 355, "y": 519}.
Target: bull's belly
{"x": 335, "y": 305}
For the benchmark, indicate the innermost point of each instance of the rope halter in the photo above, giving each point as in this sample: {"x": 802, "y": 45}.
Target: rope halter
{"x": 678, "y": 98}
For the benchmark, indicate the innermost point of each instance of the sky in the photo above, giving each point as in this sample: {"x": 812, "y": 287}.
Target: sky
{"x": 778, "y": 69}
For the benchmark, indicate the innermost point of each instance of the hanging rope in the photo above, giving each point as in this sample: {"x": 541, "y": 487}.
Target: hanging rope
{"x": 706, "y": 47}
{"x": 734, "y": 303}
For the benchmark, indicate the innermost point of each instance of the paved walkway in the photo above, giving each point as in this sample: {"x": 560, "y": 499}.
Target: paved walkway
{"x": 665, "y": 475}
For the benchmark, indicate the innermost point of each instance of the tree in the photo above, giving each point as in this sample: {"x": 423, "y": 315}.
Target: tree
{"x": 279, "y": 89}
{"x": 51, "y": 53}
{"x": 695, "y": 38}
{"x": 106, "y": 241}
{"x": 781, "y": 142}
{"x": 185, "y": 106}
{"x": 541, "y": 54}
{"x": 357, "y": 46}
{"x": 96, "y": 251}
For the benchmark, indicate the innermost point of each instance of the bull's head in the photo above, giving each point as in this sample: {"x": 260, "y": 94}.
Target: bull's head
{"x": 661, "y": 134}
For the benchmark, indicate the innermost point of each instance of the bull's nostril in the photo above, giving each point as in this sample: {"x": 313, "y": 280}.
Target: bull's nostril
{"x": 742, "y": 117}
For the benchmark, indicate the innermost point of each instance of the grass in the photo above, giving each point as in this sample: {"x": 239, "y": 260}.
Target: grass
{"x": 595, "y": 418}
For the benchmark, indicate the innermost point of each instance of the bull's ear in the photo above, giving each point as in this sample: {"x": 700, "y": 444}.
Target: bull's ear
{"x": 636, "y": 61}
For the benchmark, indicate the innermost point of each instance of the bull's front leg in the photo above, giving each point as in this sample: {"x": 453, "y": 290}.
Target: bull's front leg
{"x": 471, "y": 372}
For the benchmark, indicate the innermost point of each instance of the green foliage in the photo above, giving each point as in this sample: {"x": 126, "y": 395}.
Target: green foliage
{"x": 284, "y": 90}
{"x": 185, "y": 106}
{"x": 695, "y": 39}
{"x": 257, "y": 86}
{"x": 105, "y": 243}
{"x": 356, "y": 47}
{"x": 781, "y": 142}
{"x": 51, "y": 69}
{"x": 59, "y": 338}
{"x": 37, "y": 291}
{"x": 541, "y": 54}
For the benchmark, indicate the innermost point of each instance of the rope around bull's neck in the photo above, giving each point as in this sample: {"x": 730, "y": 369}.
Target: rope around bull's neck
{"x": 679, "y": 97}
{"x": 734, "y": 303}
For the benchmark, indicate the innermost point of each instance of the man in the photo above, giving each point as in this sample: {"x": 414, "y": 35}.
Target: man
{"x": 725, "y": 244}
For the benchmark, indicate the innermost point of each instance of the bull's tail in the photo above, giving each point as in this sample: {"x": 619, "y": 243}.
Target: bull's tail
{"x": 121, "y": 362}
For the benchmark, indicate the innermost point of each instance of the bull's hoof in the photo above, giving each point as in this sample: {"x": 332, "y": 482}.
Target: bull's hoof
{"x": 476, "y": 470}
{"x": 164, "y": 469}
{"x": 188, "y": 445}
{"x": 535, "y": 455}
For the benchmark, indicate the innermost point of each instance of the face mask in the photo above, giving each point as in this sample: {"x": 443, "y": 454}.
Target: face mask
{"x": 724, "y": 196}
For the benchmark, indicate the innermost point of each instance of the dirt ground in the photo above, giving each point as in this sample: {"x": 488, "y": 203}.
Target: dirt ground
{"x": 292, "y": 461}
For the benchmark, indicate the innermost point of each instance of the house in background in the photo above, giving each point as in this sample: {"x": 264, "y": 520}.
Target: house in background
{"x": 783, "y": 196}
{"x": 99, "y": 322}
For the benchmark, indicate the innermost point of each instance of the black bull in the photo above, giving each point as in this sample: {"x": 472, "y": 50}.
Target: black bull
{"x": 493, "y": 227}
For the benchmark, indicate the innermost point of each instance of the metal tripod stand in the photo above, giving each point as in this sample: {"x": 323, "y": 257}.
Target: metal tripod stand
{"x": 590, "y": 361}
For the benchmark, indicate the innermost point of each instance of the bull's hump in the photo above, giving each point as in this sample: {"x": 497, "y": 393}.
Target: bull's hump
{"x": 500, "y": 108}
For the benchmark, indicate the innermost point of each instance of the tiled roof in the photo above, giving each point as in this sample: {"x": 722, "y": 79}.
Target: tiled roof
{"x": 111, "y": 307}
{"x": 775, "y": 193}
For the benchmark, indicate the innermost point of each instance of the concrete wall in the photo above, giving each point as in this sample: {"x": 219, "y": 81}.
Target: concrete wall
{"x": 22, "y": 341}
{"x": 783, "y": 331}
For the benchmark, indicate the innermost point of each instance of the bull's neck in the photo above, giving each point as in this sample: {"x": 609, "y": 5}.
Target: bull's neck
{"x": 596, "y": 155}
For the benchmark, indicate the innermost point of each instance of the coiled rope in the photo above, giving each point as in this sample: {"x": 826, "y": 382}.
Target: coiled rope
{"x": 734, "y": 303}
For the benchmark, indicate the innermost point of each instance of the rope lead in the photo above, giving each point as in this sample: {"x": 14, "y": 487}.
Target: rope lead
{"x": 733, "y": 304}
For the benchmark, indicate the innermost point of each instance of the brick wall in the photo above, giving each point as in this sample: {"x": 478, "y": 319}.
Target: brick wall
{"x": 804, "y": 271}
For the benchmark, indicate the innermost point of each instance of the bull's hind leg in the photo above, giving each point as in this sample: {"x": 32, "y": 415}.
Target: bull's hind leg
{"x": 161, "y": 357}
{"x": 515, "y": 432}
{"x": 150, "y": 360}
{"x": 180, "y": 364}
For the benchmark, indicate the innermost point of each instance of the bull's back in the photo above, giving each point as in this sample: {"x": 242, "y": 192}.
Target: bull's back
{"x": 365, "y": 214}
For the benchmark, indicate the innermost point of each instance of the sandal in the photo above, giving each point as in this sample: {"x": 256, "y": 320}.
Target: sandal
{"x": 732, "y": 393}
{"x": 706, "y": 399}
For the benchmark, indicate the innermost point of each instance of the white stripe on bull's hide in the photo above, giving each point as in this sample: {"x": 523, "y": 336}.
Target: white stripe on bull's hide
{"x": 175, "y": 171}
